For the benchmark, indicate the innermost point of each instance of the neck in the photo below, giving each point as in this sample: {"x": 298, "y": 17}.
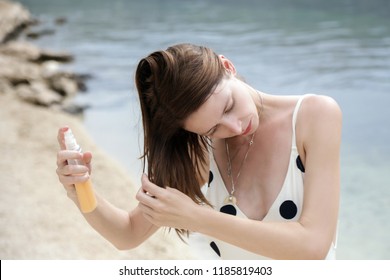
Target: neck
{"x": 257, "y": 96}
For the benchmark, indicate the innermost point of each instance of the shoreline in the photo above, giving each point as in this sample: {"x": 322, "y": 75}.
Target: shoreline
{"x": 38, "y": 221}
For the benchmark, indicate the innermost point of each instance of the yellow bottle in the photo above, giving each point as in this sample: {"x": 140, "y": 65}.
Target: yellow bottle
{"x": 85, "y": 193}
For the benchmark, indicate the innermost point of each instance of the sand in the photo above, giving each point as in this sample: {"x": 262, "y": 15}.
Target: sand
{"x": 37, "y": 220}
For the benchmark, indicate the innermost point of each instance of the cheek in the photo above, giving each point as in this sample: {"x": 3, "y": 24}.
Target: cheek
{"x": 197, "y": 126}
{"x": 223, "y": 133}
{"x": 193, "y": 124}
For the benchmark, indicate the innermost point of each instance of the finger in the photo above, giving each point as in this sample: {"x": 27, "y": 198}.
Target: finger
{"x": 72, "y": 170}
{"x": 145, "y": 198}
{"x": 87, "y": 158}
{"x": 150, "y": 188}
{"x": 67, "y": 180}
{"x": 64, "y": 155}
{"x": 60, "y": 137}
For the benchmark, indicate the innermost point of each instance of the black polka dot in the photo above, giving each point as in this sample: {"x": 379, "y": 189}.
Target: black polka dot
{"x": 215, "y": 248}
{"x": 300, "y": 164}
{"x": 288, "y": 209}
{"x": 211, "y": 177}
{"x": 228, "y": 209}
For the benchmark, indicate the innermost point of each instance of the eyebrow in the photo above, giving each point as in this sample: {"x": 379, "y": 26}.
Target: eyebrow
{"x": 224, "y": 109}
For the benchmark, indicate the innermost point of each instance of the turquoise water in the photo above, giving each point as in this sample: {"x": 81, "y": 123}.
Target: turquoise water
{"x": 337, "y": 48}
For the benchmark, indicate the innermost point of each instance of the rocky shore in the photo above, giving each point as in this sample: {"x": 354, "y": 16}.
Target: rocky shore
{"x": 37, "y": 220}
{"x": 29, "y": 72}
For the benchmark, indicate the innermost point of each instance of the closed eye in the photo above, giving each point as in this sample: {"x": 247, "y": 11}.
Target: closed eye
{"x": 213, "y": 131}
{"x": 230, "y": 107}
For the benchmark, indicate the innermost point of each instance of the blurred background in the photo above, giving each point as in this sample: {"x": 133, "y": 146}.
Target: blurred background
{"x": 339, "y": 48}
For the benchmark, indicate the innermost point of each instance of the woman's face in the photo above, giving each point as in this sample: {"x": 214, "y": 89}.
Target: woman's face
{"x": 229, "y": 111}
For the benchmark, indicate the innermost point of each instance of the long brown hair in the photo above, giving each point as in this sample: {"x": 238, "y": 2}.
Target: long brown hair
{"x": 171, "y": 85}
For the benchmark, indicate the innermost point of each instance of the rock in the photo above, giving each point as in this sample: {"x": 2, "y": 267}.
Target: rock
{"x": 13, "y": 19}
{"x": 30, "y": 52}
{"x": 32, "y": 73}
{"x": 80, "y": 80}
{"x": 38, "y": 93}
{"x": 72, "y": 108}
{"x": 60, "y": 20}
{"x": 57, "y": 56}
{"x": 5, "y": 86}
{"x": 18, "y": 71}
{"x": 39, "y": 33}
{"x": 21, "y": 49}
{"x": 63, "y": 84}
{"x": 50, "y": 68}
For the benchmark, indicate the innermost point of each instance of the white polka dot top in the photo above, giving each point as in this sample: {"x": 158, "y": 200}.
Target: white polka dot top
{"x": 286, "y": 207}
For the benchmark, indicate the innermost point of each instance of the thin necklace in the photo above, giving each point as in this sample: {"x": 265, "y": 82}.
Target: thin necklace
{"x": 231, "y": 199}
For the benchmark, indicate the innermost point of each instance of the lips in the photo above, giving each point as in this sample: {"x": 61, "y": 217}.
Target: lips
{"x": 248, "y": 128}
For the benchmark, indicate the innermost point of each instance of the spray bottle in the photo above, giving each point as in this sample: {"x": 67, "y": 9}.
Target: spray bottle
{"x": 85, "y": 193}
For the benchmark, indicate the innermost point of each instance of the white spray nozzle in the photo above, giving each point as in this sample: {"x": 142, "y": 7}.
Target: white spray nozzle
{"x": 70, "y": 140}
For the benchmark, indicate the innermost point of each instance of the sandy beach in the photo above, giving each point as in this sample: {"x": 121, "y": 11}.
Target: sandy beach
{"x": 37, "y": 220}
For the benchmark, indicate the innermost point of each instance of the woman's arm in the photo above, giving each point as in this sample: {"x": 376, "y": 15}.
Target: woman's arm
{"x": 124, "y": 230}
{"x": 308, "y": 238}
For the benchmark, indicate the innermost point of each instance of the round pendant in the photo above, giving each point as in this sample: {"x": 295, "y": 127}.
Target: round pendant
{"x": 230, "y": 199}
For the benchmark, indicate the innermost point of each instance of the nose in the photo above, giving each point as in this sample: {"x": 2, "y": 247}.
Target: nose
{"x": 233, "y": 125}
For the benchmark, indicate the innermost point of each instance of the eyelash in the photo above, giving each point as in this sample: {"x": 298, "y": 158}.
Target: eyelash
{"x": 227, "y": 111}
{"x": 231, "y": 107}
{"x": 212, "y": 132}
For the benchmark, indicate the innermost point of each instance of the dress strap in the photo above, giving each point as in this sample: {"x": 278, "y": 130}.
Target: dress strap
{"x": 294, "y": 118}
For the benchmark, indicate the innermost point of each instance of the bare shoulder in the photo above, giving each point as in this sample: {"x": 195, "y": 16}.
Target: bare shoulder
{"x": 321, "y": 104}
{"x": 320, "y": 109}
{"x": 320, "y": 117}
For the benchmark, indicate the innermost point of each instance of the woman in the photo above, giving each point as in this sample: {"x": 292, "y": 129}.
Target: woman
{"x": 257, "y": 175}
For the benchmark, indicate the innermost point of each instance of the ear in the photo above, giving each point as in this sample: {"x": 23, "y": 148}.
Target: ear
{"x": 229, "y": 67}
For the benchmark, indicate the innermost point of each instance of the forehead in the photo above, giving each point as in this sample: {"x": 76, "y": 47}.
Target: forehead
{"x": 210, "y": 112}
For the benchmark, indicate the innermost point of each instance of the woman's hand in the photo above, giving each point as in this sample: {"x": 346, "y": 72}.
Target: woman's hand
{"x": 166, "y": 206}
{"x": 69, "y": 175}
